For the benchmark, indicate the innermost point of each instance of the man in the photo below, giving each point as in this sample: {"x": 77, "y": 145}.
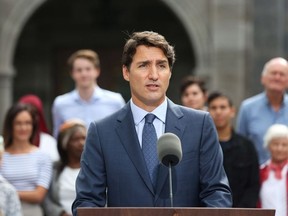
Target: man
{"x": 88, "y": 101}
{"x": 259, "y": 112}
{"x": 240, "y": 157}
{"x": 114, "y": 155}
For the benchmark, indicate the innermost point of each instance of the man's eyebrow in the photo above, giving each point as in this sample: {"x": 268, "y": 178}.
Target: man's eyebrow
{"x": 149, "y": 61}
{"x": 162, "y": 61}
{"x": 143, "y": 62}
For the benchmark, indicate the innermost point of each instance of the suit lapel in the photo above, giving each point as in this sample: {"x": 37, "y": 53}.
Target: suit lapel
{"x": 128, "y": 136}
{"x": 172, "y": 125}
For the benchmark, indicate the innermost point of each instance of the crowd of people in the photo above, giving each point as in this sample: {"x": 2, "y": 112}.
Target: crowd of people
{"x": 98, "y": 154}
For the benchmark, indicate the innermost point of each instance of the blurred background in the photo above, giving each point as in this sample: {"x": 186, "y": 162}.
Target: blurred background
{"x": 226, "y": 42}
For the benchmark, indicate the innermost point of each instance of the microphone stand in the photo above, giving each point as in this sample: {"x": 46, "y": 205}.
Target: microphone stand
{"x": 170, "y": 184}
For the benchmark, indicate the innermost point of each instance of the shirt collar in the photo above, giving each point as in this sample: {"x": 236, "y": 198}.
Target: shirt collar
{"x": 139, "y": 114}
{"x": 284, "y": 101}
{"x": 97, "y": 94}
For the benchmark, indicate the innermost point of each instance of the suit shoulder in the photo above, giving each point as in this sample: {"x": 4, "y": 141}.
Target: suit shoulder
{"x": 190, "y": 115}
{"x": 193, "y": 112}
{"x": 109, "y": 120}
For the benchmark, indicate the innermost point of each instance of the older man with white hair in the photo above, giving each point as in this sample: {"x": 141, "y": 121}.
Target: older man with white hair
{"x": 270, "y": 107}
{"x": 273, "y": 174}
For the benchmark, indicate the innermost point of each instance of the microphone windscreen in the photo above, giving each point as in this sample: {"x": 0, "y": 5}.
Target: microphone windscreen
{"x": 169, "y": 149}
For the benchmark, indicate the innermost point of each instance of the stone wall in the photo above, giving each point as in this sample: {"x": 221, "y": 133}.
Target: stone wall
{"x": 232, "y": 39}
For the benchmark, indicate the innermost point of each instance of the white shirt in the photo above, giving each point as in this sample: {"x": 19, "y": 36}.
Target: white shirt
{"x": 70, "y": 105}
{"x": 67, "y": 193}
{"x": 273, "y": 193}
{"x": 48, "y": 145}
{"x": 139, "y": 119}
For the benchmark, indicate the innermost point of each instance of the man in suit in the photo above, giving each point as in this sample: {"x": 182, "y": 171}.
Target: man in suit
{"x": 114, "y": 169}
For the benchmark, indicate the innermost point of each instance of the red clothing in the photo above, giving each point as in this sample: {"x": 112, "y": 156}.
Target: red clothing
{"x": 265, "y": 169}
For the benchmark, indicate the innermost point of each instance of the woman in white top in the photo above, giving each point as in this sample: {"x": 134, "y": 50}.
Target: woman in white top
{"x": 273, "y": 174}
{"x": 71, "y": 139}
{"x": 27, "y": 168}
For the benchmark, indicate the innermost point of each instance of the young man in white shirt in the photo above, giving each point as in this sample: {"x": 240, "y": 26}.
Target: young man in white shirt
{"x": 87, "y": 101}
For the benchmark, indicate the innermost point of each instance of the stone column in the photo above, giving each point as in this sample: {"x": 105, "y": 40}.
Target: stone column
{"x": 231, "y": 35}
{"x": 13, "y": 15}
{"x": 6, "y": 90}
{"x": 270, "y": 24}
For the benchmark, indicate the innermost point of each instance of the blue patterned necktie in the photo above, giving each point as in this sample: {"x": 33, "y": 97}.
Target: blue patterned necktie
{"x": 149, "y": 148}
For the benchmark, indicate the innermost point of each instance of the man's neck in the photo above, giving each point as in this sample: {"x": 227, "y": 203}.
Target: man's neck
{"x": 224, "y": 133}
{"x": 86, "y": 93}
{"x": 275, "y": 99}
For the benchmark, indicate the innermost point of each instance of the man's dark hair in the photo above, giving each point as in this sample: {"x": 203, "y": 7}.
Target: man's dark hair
{"x": 191, "y": 80}
{"x": 216, "y": 94}
{"x": 150, "y": 39}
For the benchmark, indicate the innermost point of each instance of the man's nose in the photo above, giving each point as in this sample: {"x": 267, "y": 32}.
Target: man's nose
{"x": 153, "y": 73}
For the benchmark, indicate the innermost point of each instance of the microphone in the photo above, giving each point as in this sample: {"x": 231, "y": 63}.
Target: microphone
{"x": 170, "y": 154}
{"x": 169, "y": 149}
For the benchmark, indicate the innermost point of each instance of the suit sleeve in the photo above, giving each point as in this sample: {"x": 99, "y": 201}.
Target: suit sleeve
{"x": 91, "y": 181}
{"x": 214, "y": 186}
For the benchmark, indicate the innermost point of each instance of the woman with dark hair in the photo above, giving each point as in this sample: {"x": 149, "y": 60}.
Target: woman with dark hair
{"x": 193, "y": 93}
{"x": 71, "y": 139}
{"x": 27, "y": 168}
{"x": 42, "y": 138}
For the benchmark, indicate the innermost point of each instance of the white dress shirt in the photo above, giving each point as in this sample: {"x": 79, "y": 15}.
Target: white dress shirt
{"x": 139, "y": 119}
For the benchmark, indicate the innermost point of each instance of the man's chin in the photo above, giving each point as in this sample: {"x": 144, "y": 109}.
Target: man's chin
{"x": 277, "y": 91}
{"x": 85, "y": 85}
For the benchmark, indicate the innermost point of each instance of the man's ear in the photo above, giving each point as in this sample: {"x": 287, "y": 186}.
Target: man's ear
{"x": 125, "y": 72}
{"x": 233, "y": 112}
{"x": 263, "y": 80}
{"x": 98, "y": 72}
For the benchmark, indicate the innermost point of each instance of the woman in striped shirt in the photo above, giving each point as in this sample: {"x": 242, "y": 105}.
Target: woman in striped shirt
{"x": 27, "y": 168}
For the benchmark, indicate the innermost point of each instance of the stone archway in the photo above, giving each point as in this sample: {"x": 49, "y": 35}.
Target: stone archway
{"x": 14, "y": 19}
{"x": 188, "y": 12}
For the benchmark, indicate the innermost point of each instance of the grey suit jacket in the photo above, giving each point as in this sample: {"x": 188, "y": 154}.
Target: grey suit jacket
{"x": 113, "y": 159}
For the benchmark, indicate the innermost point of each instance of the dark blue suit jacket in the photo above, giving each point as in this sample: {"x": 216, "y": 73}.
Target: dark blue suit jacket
{"x": 113, "y": 159}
